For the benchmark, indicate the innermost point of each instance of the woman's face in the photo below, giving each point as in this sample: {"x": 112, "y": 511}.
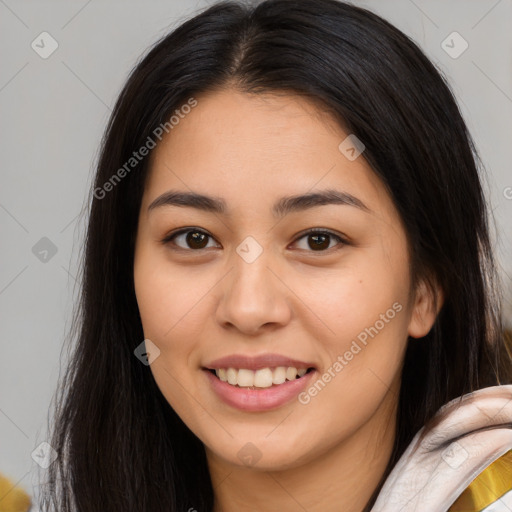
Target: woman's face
{"x": 246, "y": 287}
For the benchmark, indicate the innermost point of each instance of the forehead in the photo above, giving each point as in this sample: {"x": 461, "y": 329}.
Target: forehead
{"x": 266, "y": 126}
{"x": 253, "y": 147}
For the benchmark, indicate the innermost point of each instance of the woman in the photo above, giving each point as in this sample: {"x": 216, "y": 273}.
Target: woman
{"x": 287, "y": 275}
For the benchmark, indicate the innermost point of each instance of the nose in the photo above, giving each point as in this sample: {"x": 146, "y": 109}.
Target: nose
{"x": 254, "y": 297}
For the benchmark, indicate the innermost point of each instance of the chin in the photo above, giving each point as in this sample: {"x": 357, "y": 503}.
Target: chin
{"x": 260, "y": 454}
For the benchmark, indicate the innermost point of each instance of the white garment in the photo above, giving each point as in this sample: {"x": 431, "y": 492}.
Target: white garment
{"x": 504, "y": 504}
{"x": 473, "y": 431}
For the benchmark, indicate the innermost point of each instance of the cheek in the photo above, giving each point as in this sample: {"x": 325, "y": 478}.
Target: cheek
{"x": 361, "y": 360}
{"x": 170, "y": 309}
{"x": 365, "y": 307}
{"x": 167, "y": 299}
{"x": 352, "y": 297}
{"x": 165, "y": 305}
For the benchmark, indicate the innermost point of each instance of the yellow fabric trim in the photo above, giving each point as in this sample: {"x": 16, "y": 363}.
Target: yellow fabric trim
{"x": 12, "y": 499}
{"x": 490, "y": 485}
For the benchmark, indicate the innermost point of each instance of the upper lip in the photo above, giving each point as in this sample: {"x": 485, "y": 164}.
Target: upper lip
{"x": 257, "y": 362}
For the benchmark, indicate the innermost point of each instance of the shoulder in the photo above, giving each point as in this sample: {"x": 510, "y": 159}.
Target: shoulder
{"x": 490, "y": 491}
{"x": 460, "y": 462}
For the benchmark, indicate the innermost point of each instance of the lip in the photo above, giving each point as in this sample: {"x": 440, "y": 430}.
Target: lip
{"x": 258, "y": 400}
{"x": 239, "y": 361}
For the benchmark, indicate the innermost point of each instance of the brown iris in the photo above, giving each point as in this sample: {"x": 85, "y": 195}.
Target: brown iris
{"x": 319, "y": 244}
{"x": 196, "y": 239}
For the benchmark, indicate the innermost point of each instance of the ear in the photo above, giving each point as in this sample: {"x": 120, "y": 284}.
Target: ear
{"x": 425, "y": 309}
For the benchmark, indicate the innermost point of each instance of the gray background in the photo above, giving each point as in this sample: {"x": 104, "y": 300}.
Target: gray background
{"x": 53, "y": 112}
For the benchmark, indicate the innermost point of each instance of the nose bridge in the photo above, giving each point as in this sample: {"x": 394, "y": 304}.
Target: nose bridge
{"x": 251, "y": 278}
{"x": 252, "y": 296}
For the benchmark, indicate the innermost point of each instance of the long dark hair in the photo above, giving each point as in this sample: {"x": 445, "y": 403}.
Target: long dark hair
{"x": 121, "y": 446}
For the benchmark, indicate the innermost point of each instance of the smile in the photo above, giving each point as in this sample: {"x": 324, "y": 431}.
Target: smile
{"x": 257, "y": 391}
{"x": 262, "y": 378}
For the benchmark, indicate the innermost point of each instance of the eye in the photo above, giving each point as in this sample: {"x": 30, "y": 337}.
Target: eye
{"x": 319, "y": 240}
{"x": 197, "y": 239}
{"x": 193, "y": 238}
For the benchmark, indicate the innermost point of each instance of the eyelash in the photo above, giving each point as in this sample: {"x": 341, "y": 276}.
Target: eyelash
{"x": 167, "y": 240}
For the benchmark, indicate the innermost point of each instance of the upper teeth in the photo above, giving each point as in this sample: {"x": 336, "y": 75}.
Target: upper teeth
{"x": 263, "y": 378}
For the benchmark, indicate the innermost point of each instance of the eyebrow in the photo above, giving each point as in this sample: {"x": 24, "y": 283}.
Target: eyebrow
{"x": 281, "y": 208}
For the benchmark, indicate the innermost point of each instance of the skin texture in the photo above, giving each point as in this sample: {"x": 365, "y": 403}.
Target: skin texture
{"x": 198, "y": 305}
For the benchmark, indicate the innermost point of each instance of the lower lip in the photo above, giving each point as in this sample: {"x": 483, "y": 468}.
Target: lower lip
{"x": 263, "y": 399}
